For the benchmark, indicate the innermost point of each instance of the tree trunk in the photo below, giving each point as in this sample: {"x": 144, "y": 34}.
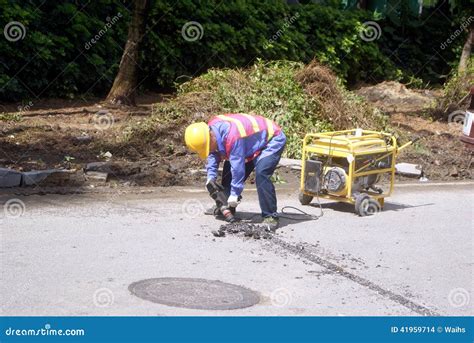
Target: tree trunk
{"x": 466, "y": 51}
{"x": 362, "y": 4}
{"x": 124, "y": 88}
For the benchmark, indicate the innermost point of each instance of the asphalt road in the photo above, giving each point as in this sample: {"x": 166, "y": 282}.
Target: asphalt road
{"x": 77, "y": 254}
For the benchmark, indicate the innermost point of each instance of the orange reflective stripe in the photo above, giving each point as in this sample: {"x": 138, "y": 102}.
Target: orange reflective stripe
{"x": 253, "y": 121}
{"x": 237, "y": 122}
{"x": 270, "y": 129}
{"x": 255, "y": 126}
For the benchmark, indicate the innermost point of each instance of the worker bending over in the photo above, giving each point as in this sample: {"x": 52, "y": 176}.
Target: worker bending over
{"x": 245, "y": 142}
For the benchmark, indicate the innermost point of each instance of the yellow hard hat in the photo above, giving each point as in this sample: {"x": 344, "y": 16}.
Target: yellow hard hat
{"x": 197, "y": 139}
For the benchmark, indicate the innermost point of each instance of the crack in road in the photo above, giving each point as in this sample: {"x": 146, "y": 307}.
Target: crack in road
{"x": 400, "y": 299}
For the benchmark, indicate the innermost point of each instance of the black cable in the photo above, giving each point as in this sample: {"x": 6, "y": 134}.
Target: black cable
{"x": 309, "y": 215}
{"x": 282, "y": 215}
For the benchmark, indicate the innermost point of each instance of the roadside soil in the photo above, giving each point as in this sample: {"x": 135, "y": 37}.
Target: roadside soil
{"x": 437, "y": 147}
{"x": 69, "y": 134}
{"x": 65, "y": 134}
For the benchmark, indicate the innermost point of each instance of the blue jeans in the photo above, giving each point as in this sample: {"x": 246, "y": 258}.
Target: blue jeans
{"x": 264, "y": 169}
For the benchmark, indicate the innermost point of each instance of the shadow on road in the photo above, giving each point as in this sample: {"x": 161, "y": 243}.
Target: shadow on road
{"x": 285, "y": 218}
{"x": 290, "y": 215}
{"x": 349, "y": 208}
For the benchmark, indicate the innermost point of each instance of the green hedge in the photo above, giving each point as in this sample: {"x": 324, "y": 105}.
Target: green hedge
{"x": 57, "y": 56}
{"x": 238, "y": 32}
{"x": 52, "y": 59}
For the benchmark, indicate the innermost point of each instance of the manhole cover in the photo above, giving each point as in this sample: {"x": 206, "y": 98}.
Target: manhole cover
{"x": 194, "y": 293}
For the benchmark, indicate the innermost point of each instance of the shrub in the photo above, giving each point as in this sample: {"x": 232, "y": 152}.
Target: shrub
{"x": 456, "y": 91}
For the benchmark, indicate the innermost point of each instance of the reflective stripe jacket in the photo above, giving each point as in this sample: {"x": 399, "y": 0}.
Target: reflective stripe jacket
{"x": 241, "y": 138}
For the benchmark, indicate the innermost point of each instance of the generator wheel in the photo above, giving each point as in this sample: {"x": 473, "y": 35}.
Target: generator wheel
{"x": 305, "y": 199}
{"x": 366, "y": 206}
{"x": 359, "y": 198}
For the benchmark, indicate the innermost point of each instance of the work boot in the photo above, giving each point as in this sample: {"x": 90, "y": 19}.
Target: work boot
{"x": 213, "y": 211}
{"x": 270, "y": 223}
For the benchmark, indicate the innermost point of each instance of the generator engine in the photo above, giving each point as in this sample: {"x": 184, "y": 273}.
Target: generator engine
{"x": 335, "y": 180}
{"x": 332, "y": 178}
{"x": 362, "y": 183}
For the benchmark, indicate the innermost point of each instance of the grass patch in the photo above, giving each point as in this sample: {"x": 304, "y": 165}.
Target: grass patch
{"x": 16, "y": 117}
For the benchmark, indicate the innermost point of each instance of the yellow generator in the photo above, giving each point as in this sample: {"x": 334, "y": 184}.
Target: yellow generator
{"x": 348, "y": 166}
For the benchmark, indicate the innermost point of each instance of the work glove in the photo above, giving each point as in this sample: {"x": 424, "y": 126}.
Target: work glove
{"x": 233, "y": 201}
{"x": 207, "y": 182}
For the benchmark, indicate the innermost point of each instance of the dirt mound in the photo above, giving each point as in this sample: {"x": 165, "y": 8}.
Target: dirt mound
{"x": 394, "y": 97}
{"x": 338, "y": 105}
{"x": 300, "y": 98}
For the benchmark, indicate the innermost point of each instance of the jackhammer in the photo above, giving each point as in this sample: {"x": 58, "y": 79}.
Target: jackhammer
{"x": 216, "y": 191}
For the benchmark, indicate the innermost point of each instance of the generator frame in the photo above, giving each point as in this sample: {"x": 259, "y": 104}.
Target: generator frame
{"x": 350, "y": 144}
